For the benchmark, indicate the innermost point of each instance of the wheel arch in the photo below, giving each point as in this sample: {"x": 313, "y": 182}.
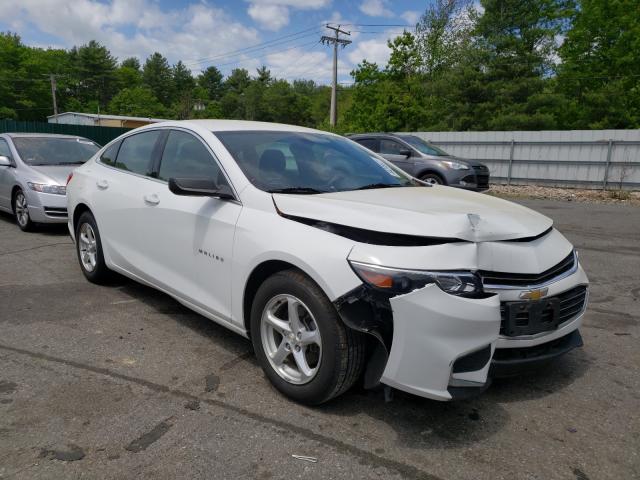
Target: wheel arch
{"x": 79, "y": 210}
{"x": 14, "y": 190}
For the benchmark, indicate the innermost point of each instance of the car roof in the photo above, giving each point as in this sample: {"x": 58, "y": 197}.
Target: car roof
{"x": 375, "y": 134}
{"x": 41, "y": 135}
{"x": 235, "y": 125}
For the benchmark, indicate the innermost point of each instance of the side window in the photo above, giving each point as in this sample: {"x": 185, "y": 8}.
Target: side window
{"x": 136, "y": 152}
{"x": 391, "y": 147}
{"x": 4, "y": 148}
{"x": 108, "y": 157}
{"x": 186, "y": 156}
{"x": 370, "y": 143}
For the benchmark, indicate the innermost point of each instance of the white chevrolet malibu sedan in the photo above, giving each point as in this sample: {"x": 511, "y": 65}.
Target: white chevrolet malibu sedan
{"x": 337, "y": 265}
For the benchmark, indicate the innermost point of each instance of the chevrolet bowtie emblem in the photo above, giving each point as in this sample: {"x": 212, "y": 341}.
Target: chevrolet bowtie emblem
{"x": 534, "y": 294}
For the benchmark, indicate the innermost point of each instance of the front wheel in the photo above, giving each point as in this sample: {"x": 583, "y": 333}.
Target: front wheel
{"x": 89, "y": 249}
{"x": 302, "y": 345}
{"x": 21, "y": 211}
{"x": 432, "y": 179}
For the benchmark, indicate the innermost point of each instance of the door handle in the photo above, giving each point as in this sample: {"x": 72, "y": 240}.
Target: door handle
{"x": 102, "y": 184}
{"x": 152, "y": 199}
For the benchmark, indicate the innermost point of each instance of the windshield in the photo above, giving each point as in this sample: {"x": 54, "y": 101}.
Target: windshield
{"x": 54, "y": 151}
{"x": 297, "y": 162}
{"x": 423, "y": 146}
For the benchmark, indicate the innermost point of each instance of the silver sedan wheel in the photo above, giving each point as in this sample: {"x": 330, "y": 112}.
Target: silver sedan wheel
{"x": 22, "y": 210}
{"x": 88, "y": 247}
{"x": 291, "y": 339}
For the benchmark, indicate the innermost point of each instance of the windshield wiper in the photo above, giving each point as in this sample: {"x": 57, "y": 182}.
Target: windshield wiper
{"x": 69, "y": 163}
{"x": 378, "y": 185}
{"x": 304, "y": 190}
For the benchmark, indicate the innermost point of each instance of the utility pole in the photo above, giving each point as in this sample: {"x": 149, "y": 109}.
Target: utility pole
{"x": 335, "y": 41}
{"x": 52, "y": 77}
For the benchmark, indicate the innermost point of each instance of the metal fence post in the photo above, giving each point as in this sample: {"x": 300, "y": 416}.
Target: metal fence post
{"x": 606, "y": 167}
{"x": 510, "y": 161}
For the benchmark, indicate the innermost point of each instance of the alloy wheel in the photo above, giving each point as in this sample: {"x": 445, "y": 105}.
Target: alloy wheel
{"x": 22, "y": 210}
{"x": 291, "y": 339}
{"x": 88, "y": 247}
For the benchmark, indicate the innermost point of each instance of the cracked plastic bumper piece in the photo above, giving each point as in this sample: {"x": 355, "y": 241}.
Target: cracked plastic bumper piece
{"x": 433, "y": 329}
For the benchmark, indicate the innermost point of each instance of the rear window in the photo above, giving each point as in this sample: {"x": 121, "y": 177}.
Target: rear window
{"x": 136, "y": 152}
{"x": 54, "y": 151}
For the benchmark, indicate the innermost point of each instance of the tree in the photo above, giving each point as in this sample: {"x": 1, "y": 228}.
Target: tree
{"x": 264, "y": 75}
{"x": 600, "y": 67}
{"x": 211, "y": 81}
{"x": 138, "y": 102}
{"x": 94, "y": 73}
{"x": 157, "y": 76}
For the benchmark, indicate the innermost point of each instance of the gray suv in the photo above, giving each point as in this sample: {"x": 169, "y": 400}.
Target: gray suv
{"x": 426, "y": 161}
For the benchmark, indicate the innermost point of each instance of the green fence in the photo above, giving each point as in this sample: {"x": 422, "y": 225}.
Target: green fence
{"x": 101, "y": 135}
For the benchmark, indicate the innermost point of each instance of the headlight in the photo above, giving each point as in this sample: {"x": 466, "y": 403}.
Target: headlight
{"x": 455, "y": 165}
{"x": 396, "y": 281}
{"x": 42, "y": 188}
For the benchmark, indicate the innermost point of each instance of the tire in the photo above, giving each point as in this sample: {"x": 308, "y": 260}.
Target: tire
{"x": 21, "y": 212}
{"x": 433, "y": 179}
{"x": 89, "y": 250}
{"x": 339, "y": 354}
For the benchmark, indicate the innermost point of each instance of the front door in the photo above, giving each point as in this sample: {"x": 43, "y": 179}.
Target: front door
{"x": 390, "y": 149}
{"x": 189, "y": 240}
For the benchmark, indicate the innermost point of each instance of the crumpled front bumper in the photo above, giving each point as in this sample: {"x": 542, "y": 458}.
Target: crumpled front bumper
{"x": 431, "y": 330}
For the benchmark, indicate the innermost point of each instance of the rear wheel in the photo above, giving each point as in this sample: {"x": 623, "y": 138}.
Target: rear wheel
{"x": 89, "y": 249}
{"x": 21, "y": 211}
{"x": 432, "y": 179}
{"x": 303, "y": 347}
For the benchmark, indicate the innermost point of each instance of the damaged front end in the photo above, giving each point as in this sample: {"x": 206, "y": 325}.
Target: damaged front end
{"x": 443, "y": 342}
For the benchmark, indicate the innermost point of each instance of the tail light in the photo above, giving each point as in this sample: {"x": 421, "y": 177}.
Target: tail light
{"x": 69, "y": 178}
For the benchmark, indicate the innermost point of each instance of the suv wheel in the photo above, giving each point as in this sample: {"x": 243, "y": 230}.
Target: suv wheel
{"x": 302, "y": 345}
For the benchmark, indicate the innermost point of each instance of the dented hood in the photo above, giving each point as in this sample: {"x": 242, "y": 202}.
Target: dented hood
{"x": 422, "y": 211}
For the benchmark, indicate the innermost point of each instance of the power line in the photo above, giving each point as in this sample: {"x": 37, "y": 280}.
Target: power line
{"x": 246, "y": 60}
{"x": 260, "y": 46}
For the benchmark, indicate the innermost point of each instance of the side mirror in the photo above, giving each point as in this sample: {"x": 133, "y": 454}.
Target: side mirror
{"x": 405, "y": 151}
{"x": 5, "y": 161}
{"x": 200, "y": 187}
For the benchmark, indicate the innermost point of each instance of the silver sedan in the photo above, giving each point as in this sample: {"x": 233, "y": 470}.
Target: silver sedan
{"x": 34, "y": 168}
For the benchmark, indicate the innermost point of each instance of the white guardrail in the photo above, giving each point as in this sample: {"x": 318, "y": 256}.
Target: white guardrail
{"x": 598, "y": 159}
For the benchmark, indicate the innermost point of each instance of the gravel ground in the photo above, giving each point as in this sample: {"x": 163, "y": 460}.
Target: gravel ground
{"x": 121, "y": 381}
{"x": 616, "y": 197}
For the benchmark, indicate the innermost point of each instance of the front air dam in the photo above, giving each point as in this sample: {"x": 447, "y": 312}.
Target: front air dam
{"x": 431, "y": 329}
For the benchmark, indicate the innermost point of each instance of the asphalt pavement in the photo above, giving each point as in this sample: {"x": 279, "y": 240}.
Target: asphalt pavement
{"x": 123, "y": 382}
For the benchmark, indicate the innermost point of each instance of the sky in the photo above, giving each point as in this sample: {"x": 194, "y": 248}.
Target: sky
{"x": 284, "y": 35}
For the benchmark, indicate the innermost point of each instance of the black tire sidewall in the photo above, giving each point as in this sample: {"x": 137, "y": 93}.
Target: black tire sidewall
{"x": 101, "y": 272}
{"x": 322, "y": 386}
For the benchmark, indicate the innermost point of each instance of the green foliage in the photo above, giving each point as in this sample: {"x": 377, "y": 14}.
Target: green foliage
{"x": 158, "y": 77}
{"x": 137, "y": 102}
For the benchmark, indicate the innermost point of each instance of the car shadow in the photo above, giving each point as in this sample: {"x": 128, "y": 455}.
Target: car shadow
{"x": 418, "y": 423}
{"x": 54, "y": 229}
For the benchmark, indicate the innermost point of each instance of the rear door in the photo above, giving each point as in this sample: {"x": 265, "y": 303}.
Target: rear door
{"x": 188, "y": 240}
{"x": 121, "y": 186}
{"x": 390, "y": 149}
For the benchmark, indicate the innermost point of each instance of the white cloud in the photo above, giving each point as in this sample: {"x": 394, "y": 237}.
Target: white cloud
{"x": 375, "y": 8}
{"x": 176, "y": 33}
{"x": 411, "y": 16}
{"x": 373, "y": 50}
{"x": 274, "y": 14}
{"x": 270, "y": 17}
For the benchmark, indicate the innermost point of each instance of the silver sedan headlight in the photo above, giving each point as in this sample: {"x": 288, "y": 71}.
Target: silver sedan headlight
{"x": 455, "y": 165}
{"x": 44, "y": 188}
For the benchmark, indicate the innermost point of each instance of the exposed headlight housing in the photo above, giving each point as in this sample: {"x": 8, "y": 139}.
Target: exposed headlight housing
{"x": 44, "y": 188}
{"x": 398, "y": 281}
{"x": 455, "y": 165}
